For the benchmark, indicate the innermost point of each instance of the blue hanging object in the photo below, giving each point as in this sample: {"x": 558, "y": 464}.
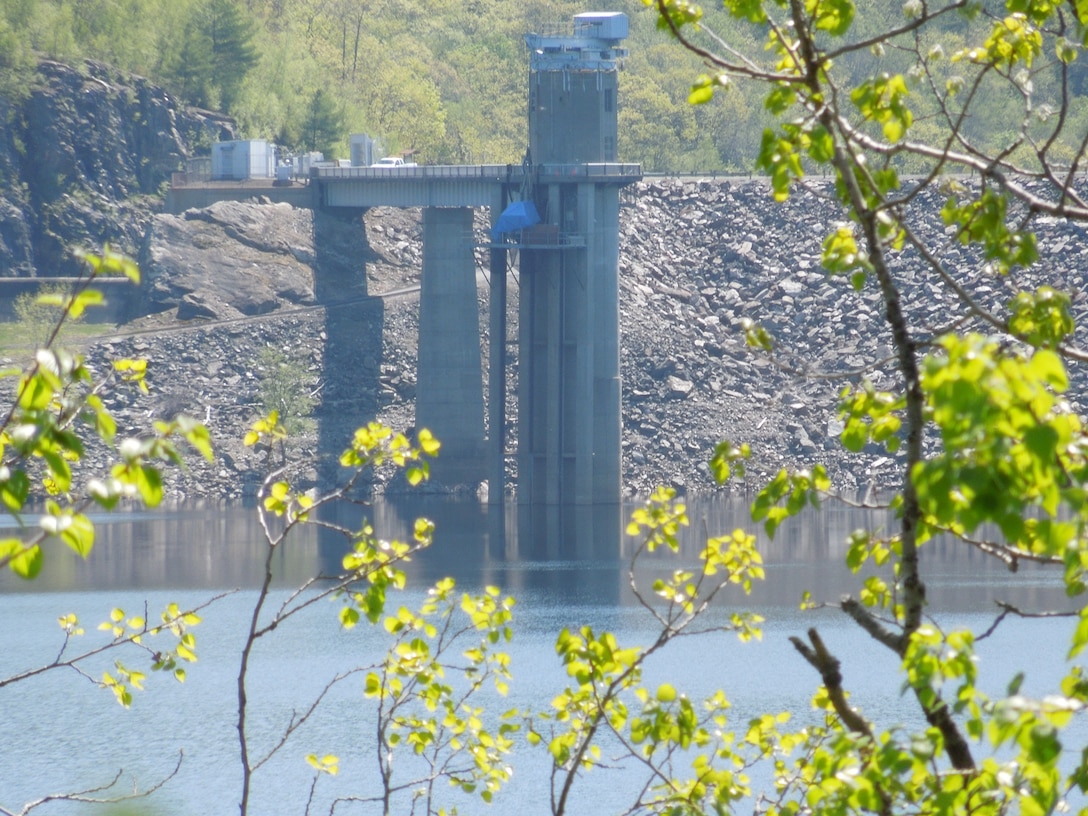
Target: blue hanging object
{"x": 518, "y": 216}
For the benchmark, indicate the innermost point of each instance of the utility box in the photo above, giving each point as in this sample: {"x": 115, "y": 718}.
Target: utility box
{"x": 601, "y": 25}
{"x": 241, "y": 160}
{"x": 364, "y": 150}
{"x": 306, "y": 162}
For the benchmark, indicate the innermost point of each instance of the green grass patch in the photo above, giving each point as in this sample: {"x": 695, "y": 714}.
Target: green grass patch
{"x": 13, "y": 335}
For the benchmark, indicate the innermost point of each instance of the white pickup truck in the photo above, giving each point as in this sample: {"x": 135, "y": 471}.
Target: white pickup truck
{"x": 393, "y": 161}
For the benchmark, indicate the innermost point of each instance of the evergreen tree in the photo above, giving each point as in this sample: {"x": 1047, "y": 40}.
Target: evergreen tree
{"x": 324, "y": 124}
{"x": 216, "y": 54}
{"x": 230, "y": 34}
{"x": 194, "y": 70}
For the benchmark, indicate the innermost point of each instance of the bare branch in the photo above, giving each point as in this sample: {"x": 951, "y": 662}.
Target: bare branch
{"x": 830, "y": 672}
{"x": 873, "y": 627}
{"x": 92, "y": 796}
{"x": 132, "y": 639}
{"x": 298, "y": 720}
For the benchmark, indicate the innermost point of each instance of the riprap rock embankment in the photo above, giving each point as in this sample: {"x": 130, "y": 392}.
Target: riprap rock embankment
{"x": 699, "y": 259}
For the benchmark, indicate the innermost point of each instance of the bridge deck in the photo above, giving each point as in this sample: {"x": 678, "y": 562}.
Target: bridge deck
{"x": 451, "y": 185}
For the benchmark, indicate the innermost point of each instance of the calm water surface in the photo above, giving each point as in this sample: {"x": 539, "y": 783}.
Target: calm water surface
{"x": 59, "y": 733}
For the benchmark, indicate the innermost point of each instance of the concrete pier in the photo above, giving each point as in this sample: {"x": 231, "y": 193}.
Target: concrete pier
{"x": 449, "y": 392}
{"x": 569, "y": 381}
{"x": 496, "y": 378}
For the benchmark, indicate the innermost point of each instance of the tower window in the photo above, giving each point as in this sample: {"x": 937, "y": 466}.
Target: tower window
{"x": 609, "y": 100}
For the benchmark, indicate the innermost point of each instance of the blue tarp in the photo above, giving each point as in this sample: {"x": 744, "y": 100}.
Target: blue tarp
{"x": 519, "y": 215}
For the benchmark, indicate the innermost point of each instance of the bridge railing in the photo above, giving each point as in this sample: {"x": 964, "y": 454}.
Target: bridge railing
{"x": 498, "y": 172}
{"x": 425, "y": 171}
{"x": 590, "y": 170}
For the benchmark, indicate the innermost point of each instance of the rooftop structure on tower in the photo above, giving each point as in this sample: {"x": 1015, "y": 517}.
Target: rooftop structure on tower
{"x": 573, "y": 76}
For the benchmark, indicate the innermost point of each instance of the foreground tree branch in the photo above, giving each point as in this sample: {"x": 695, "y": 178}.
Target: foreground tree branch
{"x": 988, "y": 449}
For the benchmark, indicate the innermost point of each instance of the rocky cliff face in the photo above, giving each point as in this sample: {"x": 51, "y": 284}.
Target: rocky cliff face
{"x": 83, "y": 160}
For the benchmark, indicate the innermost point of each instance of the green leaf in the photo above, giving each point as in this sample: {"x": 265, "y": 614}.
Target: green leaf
{"x": 59, "y": 470}
{"x": 1048, "y": 366}
{"x": 883, "y": 100}
{"x": 1042, "y": 318}
{"x": 197, "y": 435}
{"x": 14, "y": 490}
{"x": 79, "y": 304}
{"x": 36, "y": 393}
{"x": 750, "y": 10}
{"x": 702, "y": 91}
{"x": 373, "y": 684}
{"x": 1043, "y": 744}
{"x": 894, "y": 130}
{"x": 726, "y": 458}
{"x": 1080, "y": 635}
{"x": 821, "y": 145}
{"x": 779, "y": 157}
{"x": 28, "y": 563}
{"x": 149, "y": 483}
{"x": 832, "y": 16}
{"x": 349, "y": 616}
{"x": 79, "y": 534}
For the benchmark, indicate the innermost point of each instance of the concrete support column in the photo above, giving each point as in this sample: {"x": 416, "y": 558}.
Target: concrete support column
{"x": 549, "y": 386}
{"x": 602, "y": 251}
{"x": 496, "y": 379}
{"x": 579, "y": 336}
{"x": 539, "y": 387}
{"x": 527, "y": 417}
{"x": 449, "y": 393}
{"x": 569, "y": 380}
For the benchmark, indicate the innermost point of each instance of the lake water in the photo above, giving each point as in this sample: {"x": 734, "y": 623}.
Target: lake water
{"x": 566, "y": 568}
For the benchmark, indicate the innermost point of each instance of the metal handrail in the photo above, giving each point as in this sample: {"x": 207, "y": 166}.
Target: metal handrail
{"x": 423, "y": 171}
{"x": 497, "y": 172}
{"x": 589, "y": 169}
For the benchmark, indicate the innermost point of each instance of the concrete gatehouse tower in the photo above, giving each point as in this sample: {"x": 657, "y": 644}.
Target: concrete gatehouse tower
{"x": 556, "y": 216}
{"x": 573, "y": 83}
{"x": 569, "y": 368}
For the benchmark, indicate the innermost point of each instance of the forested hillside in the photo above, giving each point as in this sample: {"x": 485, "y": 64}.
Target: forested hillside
{"x": 446, "y": 79}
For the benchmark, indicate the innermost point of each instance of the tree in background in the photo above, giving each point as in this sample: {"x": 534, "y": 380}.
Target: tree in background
{"x": 324, "y": 126}
{"x": 16, "y": 61}
{"x": 286, "y": 385}
{"x": 230, "y": 33}
{"x": 192, "y": 73}
{"x": 406, "y": 115}
{"x": 448, "y": 80}
{"x": 216, "y": 55}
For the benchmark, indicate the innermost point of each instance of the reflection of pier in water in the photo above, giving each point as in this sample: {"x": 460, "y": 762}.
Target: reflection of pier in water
{"x": 572, "y": 551}
{"x": 578, "y": 554}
